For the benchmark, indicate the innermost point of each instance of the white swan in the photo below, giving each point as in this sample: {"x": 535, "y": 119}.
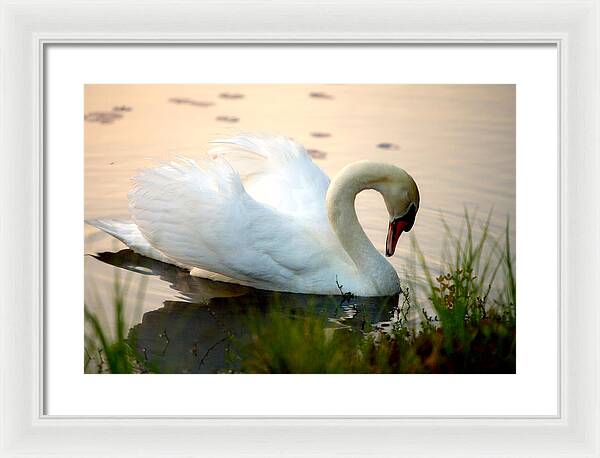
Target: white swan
{"x": 261, "y": 213}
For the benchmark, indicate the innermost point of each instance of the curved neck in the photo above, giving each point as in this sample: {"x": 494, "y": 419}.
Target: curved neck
{"x": 341, "y": 211}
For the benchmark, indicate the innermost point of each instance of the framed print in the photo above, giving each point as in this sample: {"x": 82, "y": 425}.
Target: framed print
{"x": 192, "y": 322}
{"x": 280, "y": 233}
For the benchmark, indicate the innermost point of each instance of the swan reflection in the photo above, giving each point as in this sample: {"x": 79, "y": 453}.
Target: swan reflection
{"x": 195, "y": 334}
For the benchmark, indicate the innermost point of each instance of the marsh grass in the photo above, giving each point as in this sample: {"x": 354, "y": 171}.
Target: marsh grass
{"x": 108, "y": 350}
{"x": 469, "y": 290}
{"x": 471, "y": 326}
{"x": 300, "y": 342}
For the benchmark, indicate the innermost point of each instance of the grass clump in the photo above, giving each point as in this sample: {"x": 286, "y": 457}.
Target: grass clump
{"x": 461, "y": 295}
{"x": 108, "y": 350}
{"x": 296, "y": 342}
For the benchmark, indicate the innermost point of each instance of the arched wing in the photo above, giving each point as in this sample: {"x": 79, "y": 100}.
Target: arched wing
{"x": 200, "y": 215}
{"x": 278, "y": 172}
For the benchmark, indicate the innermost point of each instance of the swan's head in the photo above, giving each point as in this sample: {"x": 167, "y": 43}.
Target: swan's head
{"x": 401, "y": 197}
{"x": 397, "y": 187}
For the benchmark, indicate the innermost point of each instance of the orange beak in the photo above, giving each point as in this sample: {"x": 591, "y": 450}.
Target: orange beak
{"x": 395, "y": 229}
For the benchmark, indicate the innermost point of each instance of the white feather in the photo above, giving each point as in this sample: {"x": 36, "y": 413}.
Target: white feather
{"x": 278, "y": 172}
{"x": 128, "y": 233}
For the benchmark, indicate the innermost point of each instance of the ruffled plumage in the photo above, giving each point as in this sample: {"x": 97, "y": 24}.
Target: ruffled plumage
{"x": 202, "y": 215}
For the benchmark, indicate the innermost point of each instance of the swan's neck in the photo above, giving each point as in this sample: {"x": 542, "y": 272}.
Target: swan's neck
{"x": 341, "y": 196}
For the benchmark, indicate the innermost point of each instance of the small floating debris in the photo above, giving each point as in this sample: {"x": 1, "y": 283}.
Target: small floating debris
{"x": 316, "y": 153}
{"x": 103, "y": 117}
{"x": 320, "y": 95}
{"x": 188, "y": 101}
{"x": 391, "y": 146}
{"x": 227, "y": 118}
{"x": 122, "y": 108}
{"x": 231, "y": 95}
{"x": 320, "y": 134}
{"x": 111, "y": 163}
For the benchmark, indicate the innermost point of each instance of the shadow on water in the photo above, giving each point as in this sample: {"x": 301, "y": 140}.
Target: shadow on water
{"x": 195, "y": 334}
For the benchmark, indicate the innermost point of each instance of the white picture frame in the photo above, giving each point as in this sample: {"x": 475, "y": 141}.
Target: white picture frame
{"x": 27, "y": 27}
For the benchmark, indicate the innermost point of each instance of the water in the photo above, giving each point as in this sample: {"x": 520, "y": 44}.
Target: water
{"x": 457, "y": 141}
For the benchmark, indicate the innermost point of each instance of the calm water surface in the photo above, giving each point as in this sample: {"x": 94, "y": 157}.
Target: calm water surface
{"x": 458, "y": 142}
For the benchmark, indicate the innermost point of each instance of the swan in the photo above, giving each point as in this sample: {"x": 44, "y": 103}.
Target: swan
{"x": 259, "y": 212}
